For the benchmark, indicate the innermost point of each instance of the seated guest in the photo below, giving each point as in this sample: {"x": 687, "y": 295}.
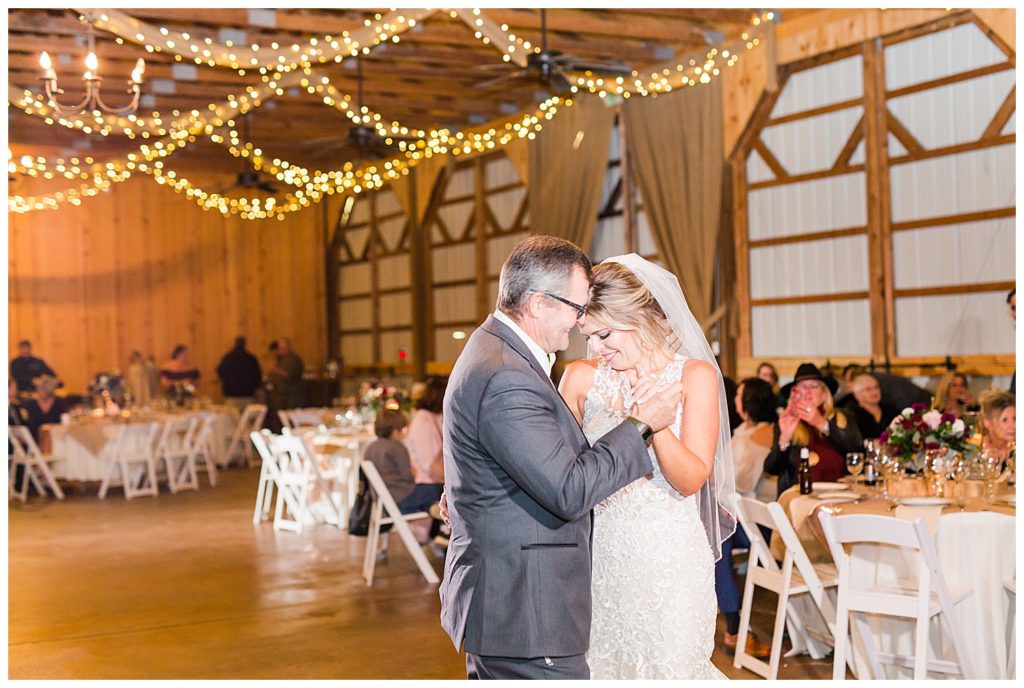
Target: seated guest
{"x": 953, "y": 396}
{"x": 871, "y": 414}
{"x": 998, "y": 422}
{"x": 25, "y": 367}
{"x": 897, "y": 391}
{"x": 178, "y": 369}
{"x": 424, "y": 440}
{"x": 751, "y": 442}
{"x": 45, "y": 407}
{"x": 391, "y": 459}
{"x": 811, "y": 420}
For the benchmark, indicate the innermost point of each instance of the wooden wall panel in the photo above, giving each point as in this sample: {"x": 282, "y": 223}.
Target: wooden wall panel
{"x": 142, "y": 268}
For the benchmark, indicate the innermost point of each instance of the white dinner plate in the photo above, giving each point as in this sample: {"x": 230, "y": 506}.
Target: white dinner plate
{"x": 924, "y": 501}
{"x": 830, "y": 487}
{"x": 837, "y": 496}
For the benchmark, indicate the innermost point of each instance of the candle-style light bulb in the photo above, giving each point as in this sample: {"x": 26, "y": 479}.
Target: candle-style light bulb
{"x": 140, "y": 67}
{"x": 91, "y": 62}
{"x": 47, "y": 64}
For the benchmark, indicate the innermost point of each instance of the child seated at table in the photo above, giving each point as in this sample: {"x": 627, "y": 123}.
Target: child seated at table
{"x": 391, "y": 458}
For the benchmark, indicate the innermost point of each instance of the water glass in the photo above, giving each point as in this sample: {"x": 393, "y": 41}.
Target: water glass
{"x": 935, "y": 471}
{"x": 960, "y": 468}
{"x": 991, "y": 468}
{"x": 855, "y": 463}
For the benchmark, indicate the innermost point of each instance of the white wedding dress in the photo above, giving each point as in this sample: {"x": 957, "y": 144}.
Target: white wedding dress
{"x": 653, "y": 571}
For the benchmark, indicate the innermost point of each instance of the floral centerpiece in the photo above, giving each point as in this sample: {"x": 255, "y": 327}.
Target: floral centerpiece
{"x": 373, "y": 397}
{"x": 918, "y": 429}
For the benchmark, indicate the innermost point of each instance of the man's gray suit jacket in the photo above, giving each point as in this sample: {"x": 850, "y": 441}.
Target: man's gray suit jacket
{"x": 521, "y": 480}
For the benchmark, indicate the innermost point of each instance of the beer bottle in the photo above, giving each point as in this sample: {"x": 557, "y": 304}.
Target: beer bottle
{"x": 803, "y": 471}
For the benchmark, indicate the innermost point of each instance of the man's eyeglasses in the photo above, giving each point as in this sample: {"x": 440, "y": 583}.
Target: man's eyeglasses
{"x": 580, "y": 310}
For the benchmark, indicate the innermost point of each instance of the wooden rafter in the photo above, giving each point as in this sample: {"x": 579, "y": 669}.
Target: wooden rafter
{"x": 903, "y": 134}
{"x": 856, "y": 136}
{"x": 1002, "y": 116}
{"x": 769, "y": 159}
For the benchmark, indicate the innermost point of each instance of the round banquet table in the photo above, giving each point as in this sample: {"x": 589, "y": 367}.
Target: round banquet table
{"x": 977, "y": 551}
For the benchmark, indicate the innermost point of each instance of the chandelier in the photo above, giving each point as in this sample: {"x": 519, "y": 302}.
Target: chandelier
{"x": 92, "y": 100}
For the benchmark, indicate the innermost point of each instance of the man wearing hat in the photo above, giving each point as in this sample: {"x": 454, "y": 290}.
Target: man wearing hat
{"x": 811, "y": 420}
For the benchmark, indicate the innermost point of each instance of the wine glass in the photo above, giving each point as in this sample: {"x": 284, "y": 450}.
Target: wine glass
{"x": 855, "y": 463}
{"x": 935, "y": 470}
{"x": 991, "y": 468}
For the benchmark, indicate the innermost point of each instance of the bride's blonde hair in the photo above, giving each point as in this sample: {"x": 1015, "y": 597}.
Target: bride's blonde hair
{"x": 619, "y": 300}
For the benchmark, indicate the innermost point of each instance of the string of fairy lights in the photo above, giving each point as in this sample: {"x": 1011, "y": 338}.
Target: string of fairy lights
{"x": 164, "y": 135}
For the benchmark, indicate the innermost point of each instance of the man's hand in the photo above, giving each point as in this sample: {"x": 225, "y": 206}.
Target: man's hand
{"x": 656, "y": 406}
{"x": 443, "y": 505}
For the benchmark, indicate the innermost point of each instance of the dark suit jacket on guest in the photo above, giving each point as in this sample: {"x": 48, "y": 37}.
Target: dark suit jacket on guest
{"x": 521, "y": 480}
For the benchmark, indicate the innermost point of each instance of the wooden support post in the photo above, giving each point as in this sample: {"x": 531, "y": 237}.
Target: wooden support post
{"x": 879, "y": 212}
{"x": 483, "y": 307}
{"x": 629, "y": 222}
{"x": 372, "y": 249}
{"x": 421, "y": 328}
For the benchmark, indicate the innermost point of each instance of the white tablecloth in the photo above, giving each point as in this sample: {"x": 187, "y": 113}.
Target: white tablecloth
{"x": 83, "y": 446}
{"x": 976, "y": 550}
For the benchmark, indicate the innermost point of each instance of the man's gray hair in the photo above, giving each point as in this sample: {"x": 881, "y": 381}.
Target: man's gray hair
{"x": 538, "y": 264}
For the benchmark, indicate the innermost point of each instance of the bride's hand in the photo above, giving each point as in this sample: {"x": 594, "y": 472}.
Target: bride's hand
{"x": 657, "y": 408}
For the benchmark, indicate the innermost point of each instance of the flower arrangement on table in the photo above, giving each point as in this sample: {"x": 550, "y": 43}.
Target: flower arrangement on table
{"x": 917, "y": 429}
{"x": 373, "y": 397}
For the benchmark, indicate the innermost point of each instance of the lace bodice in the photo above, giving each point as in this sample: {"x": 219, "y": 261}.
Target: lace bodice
{"x": 609, "y": 398}
{"x": 653, "y": 582}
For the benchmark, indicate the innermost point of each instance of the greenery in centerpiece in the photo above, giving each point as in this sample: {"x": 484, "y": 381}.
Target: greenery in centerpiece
{"x": 373, "y": 396}
{"x": 918, "y": 429}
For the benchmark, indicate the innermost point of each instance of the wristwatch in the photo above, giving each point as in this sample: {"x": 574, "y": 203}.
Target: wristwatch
{"x": 645, "y": 430}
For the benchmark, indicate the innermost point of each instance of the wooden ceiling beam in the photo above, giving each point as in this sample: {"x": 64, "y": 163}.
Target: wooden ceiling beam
{"x": 597, "y": 22}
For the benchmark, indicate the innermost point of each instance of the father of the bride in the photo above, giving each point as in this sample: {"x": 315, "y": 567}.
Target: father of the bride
{"x": 521, "y": 479}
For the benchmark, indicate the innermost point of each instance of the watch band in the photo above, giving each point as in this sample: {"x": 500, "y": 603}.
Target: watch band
{"x": 645, "y": 430}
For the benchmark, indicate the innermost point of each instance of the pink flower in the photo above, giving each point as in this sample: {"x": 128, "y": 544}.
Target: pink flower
{"x": 933, "y": 418}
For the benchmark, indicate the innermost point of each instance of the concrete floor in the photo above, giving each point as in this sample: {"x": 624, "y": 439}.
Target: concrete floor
{"x": 186, "y": 587}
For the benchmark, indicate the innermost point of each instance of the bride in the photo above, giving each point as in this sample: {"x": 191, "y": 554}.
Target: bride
{"x": 656, "y": 541}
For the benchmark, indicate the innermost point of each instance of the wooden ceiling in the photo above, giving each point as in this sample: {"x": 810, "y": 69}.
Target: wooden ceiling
{"x": 433, "y": 77}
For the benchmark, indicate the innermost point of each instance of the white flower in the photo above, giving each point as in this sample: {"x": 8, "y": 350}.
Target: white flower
{"x": 908, "y": 412}
{"x": 933, "y": 418}
{"x": 958, "y": 427}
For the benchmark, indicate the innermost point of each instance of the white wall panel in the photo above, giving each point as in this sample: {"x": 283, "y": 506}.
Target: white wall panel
{"x": 387, "y": 202}
{"x": 360, "y": 211}
{"x": 357, "y": 349}
{"x": 813, "y": 144}
{"x": 954, "y": 254}
{"x": 456, "y": 217}
{"x": 812, "y": 206}
{"x": 446, "y": 348}
{"x": 460, "y": 183}
{"x": 354, "y": 278}
{"x": 454, "y": 304}
{"x": 829, "y": 83}
{"x": 953, "y": 324}
{"x": 498, "y": 249}
{"x": 395, "y": 309}
{"x": 505, "y": 205}
{"x": 814, "y": 330}
{"x": 392, "y": 342}
{"x": 355, "y": 314}
{"x": 813, "y": 267}
{"x": 393, "y": 271}
{"x": 611, "y": 179}
{"x": 454, "y": 262}
{"x": 940, "y": 54}
{"x": 609, "y": 239}
{"x": 500, "y": 172}
{"x": 391, "y": 231}
{"x": 356, "y": 239}
{"x": 952, "y": 114}
{"x": 757, "y": 169}
{"x": 953, "y": 184}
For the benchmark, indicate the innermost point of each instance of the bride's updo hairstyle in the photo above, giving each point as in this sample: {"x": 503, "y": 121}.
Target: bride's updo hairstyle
{"x": 619, "y": 300}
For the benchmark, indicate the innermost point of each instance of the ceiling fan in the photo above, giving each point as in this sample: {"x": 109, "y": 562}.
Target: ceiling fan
{"x": 552, "y": 67}
{"x": 249, "y": 178}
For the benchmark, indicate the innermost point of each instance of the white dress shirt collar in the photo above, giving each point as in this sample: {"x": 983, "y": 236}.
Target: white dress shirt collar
{"x": 545, "y": 359}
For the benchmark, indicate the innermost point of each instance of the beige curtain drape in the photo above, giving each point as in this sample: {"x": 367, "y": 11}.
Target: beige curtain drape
{"x": 675, "y": 148}
{"x": 567, "y": 165}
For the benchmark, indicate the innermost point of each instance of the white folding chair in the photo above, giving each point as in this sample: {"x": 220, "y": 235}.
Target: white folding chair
{"x": 268, "y": 475}
{"x": 327, "y": 478}
{"x": 133, "y": 447}
{"x": 293, "y": 479}
{"x": 304, "y": 419}
{"x": 176, "y": 448}
{"x": 920, "y": 598}
{"x": 202, "y": 447}
{"x": 384, "y": 502}
{"x": 249, "y": 421}
{"x": 764, "y": 572}
{"x": 36, "y": 465}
